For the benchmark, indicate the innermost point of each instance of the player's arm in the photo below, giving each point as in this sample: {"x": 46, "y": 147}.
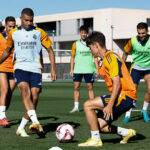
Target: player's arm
{"x": 127, "y": 49}
{"x": 46, "y": 42}
{"x": 114, "y": 68}
{"x": 5, "y": 55}
{"x": 73, "y": 51}
{"x": 52, "y": 60}
{"x": 108, "y": 110}
{"x": 7, "y": 51}
{"x": 71, "y": 65}
{"x": 96, "y": 65}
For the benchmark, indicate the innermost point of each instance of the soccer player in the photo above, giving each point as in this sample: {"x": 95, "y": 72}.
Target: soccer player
{"x": 82, "y": 65}
{"x": 7, "y": 82}
{"x": 28, "y": 41}
{"x": 122, "y": 94}
{"x": 139, "y": 47}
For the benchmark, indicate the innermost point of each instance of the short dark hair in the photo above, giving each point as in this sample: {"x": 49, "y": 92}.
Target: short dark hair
{"x": 96, "y": 36}
{"x": 9, "y": 18}
{"x": 27, "y": 11}
{"x": 84, "y": 28}
{"x": 2, "y": 28}
{"x": 142, "y": 25}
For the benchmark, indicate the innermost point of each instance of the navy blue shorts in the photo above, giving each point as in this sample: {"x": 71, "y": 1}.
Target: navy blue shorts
{"x": 138, "y": 74}
{"x": 118, "y": 110}
{"x": 34, "y": 79}
{"x": 89, "y": 78}
{"x": 10, "y": 75}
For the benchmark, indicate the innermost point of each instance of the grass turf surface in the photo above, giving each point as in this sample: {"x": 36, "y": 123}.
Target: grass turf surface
{"x": 55, "y": 102}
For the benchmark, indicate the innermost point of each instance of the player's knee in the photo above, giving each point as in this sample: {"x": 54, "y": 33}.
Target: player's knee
{"x": 24, "y": 91}
{"x": 148, "y": 92}
{"x": 90, "y": 88}
{"x": 87, "y": 105}
{"x": 77, "y": 88}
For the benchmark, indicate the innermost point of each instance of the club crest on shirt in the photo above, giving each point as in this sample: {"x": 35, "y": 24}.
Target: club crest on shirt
{"x": 34, "y": 36}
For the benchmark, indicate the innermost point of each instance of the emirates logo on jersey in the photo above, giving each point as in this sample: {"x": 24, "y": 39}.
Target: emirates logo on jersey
{"x": 34, "y": 36}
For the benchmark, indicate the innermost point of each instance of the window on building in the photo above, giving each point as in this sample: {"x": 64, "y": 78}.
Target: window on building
{"x": 59, "y": 27}
{"x": 78, "y": 25}
{"x": 89, "y": 23}
{"x": 148, "y": 22}
{"x": 48, "y": 27}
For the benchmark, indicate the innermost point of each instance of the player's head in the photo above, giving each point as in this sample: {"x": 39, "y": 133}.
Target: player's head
{"x": 83, "y": 32}
{"x": 27, "y": 15}
{"x": 142, "y": 29}
{"x": 96, "y": 42}
{"x": 10, "y": 23}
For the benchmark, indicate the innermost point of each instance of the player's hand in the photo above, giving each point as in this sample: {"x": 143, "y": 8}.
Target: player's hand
{"x": 53, "y": 75}
{"x": 71, "y": 73}
{"x": 108, "y": 113}
{"x": 97, "y": 73}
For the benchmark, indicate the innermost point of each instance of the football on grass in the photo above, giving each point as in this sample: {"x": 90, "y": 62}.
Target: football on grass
{"x": 65, "y": 132}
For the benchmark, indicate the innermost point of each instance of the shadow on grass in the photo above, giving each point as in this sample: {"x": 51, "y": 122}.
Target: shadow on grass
{"x": 53, "y": 126}
{"x": 17, "y": 121}
{"x": 134, "y": 139}
{"x": 135, "y": 118}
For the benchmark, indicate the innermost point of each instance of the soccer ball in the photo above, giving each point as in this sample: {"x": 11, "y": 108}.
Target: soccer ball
{"x": 55, "y": 148}
{"x": 64, "y": 132}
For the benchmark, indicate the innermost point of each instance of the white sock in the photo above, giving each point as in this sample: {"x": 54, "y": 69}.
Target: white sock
{"x": 2, "y": 112}
{"x": 145, "y": 105}
{"x": 33, "y": 116}
{"x": 76, "y": 105}
{"x": 128, "y": 113}
{"x": 122, "y": 131}
{"x": 23, "y": 123}
{"x": 95, "y": 135}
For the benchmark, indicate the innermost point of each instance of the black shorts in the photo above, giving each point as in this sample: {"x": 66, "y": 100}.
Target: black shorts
{"x": 119, "y": 108}
{"x": 138, "y": 74}
{"x": 89, "y": 78}
{"x": 34, "y": 79}
{"x": 10, "y": 75}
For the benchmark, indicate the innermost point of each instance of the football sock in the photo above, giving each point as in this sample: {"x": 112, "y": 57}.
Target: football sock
{"x": 122, "y": 131}
{"x": 128, "y": 113}
{"x": 76, "y": 105}
{"x": 33, "y": 116}
{"x": 145, "y": 105}
{"x": 95, "y": 135}
{"x": 23, "y": 123}
{"x": 2, "y": 112}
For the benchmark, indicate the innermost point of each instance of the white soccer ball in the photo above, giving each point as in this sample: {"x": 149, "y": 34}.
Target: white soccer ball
{"x": 64, "y": 132}
{"x": 55, "y": 148}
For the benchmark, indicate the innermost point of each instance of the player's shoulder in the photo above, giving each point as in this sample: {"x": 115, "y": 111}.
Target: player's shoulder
{"x": 39, "y": 29}
{"x": 13, "y": 30}
{"x": 110, "y": 56}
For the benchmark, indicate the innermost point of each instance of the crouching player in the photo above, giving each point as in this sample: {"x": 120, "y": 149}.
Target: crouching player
{"x": 122, "y": 94}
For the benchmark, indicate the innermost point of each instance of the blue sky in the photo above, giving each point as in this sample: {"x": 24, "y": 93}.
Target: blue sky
{"x": 45, "y": 7}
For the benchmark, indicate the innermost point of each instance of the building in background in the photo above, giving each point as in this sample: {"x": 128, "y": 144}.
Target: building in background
{"x": 118, "y": 25}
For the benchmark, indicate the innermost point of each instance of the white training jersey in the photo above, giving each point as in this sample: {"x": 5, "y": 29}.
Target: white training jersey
{"x": 28, "y": 48}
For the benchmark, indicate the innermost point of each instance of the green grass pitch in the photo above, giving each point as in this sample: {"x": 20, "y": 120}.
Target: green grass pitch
{"x": 55, "y": 102}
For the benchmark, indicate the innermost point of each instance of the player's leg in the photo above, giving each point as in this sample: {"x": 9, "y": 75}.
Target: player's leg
{"x": 12, "y": 86}
{"x": 35, "y": 96}
{"x": 77, "y": 78}
{"x": 25, "y": 119}
{"x": 136, "y": 76}
{"x": 105, "y": 125}
{"x": 147, "y": 98}
{"x": 89, "y": 79}
{"x": 91, "y": 116}
{"x": 4, "y": 86}
{"x": 23, "y": 84}
{"x": 124, "y": 132}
